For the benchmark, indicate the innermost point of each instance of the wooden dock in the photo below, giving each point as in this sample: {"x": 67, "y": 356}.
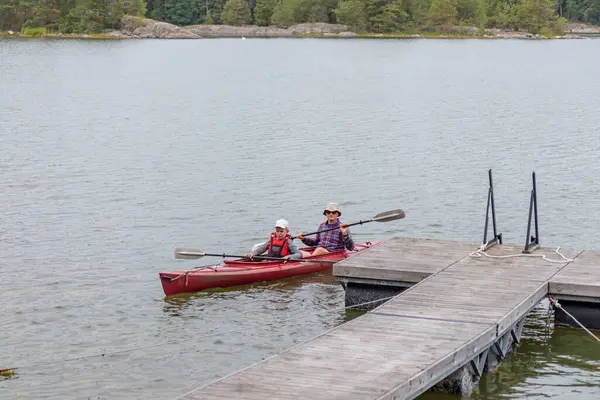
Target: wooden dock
{"x": 577, "y": 287}
{"x": 580, "y": 278}
{"x": 459, "y": 317}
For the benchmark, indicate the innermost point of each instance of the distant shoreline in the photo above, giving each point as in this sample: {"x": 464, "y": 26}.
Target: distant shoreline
{"x": 142, "y": 28}
{"x": 92, "y": 36}
{"x": 508, "y": 35}
{"x": 515, "y": 36}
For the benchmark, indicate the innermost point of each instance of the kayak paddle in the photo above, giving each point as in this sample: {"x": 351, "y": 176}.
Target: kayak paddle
{"x": 386, "y": 216}
{"x": 191, "y": 254}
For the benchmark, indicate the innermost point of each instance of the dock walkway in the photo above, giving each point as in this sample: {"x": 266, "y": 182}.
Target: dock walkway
{"x": 463, "y": 317}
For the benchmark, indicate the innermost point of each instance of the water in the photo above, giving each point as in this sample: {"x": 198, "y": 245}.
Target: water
{"x": 115, "y": 152}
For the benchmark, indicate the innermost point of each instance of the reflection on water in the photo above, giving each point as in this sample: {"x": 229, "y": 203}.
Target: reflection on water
{"x": 326, "y": 279}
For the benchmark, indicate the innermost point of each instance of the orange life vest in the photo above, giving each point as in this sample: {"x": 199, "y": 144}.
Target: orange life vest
{"x": 278, "y": 248}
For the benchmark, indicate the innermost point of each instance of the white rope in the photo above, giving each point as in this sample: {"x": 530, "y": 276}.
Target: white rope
{"x": 481, "y": 251}
{"x": 558, "y": 305}
{"x": 186, "y": 272}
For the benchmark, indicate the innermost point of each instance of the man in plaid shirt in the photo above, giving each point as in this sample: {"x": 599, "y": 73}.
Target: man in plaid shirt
{"x": 333, "y": 240}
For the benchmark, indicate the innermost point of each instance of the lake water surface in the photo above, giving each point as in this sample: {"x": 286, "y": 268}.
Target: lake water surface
{"x": 112, "y": 153}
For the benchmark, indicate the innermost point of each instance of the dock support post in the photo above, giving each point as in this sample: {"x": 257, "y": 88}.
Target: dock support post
{"x": 466, "y": 378}
{"x": 506, "y": 344}
{"x": 532, "y": 243}
{"x": 490, "y": 204}
{"x": 460, "y": 382}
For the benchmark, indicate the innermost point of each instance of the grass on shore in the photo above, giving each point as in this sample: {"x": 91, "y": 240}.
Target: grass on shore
{"x": 29, "y": 33}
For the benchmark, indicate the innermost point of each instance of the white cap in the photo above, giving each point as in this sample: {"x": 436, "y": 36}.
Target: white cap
{"x": 281, "y": 223}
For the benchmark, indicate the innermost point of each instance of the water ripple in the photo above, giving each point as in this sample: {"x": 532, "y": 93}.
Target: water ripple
{"x": 116, "y": 152}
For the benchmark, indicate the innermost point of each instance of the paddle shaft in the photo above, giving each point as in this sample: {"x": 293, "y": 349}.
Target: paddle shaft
{"x": 266, "y": 258}
{"x": 387, "y": 216}
{"x": 337, "y": 227}
{"x": 235, "y": 256}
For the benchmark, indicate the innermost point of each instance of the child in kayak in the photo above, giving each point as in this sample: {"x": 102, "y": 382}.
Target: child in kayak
{"x": 334, "y": 240}
{"x": 279, "y": 244}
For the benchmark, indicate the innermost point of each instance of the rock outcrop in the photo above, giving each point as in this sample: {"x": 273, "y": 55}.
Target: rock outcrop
{"x": 319, "y": 28}
{"x": 142, "y": 28}
{"x": 578, "y": 28}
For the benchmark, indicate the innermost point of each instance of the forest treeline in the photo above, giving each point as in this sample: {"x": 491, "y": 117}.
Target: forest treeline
{"x": 376, "y": 16}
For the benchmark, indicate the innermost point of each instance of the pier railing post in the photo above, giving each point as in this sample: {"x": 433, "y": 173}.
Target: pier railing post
{"x": 490, "y": 204}
{"x": 532, "y": 242}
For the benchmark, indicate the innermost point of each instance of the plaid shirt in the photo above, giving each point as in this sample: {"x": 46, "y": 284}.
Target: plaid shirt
{"x": 332, "y": 240}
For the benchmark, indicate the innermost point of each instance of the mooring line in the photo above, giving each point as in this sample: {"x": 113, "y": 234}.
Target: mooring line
{"x": 558, "y": 305}
{"x": 481, "y": 250}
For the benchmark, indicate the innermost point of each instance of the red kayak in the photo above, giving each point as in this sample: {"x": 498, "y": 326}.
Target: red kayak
{"x": 243, "y": 272}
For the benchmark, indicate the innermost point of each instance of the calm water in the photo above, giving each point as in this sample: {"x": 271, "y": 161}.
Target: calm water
{"x": 113, "y": 153}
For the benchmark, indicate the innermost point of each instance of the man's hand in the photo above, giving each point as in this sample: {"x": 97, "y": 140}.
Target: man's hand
{"x": 344, "y": 229}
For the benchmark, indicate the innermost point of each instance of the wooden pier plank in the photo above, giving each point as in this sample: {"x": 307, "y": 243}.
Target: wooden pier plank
{"x": 403, "y": 259}
{"x": 581, "y": 278}
{"x": 353, "y": 361}
{"x": 479, "y": 289}
{"x": 408, "y": 344}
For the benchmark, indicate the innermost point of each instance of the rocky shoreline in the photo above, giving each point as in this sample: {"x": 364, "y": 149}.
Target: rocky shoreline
{"x": 342, "y": 31}
{"x": 313, "y": 29}
{"x": 142, "y": 28}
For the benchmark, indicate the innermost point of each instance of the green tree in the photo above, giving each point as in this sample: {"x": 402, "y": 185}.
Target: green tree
{"x": 442, "y": 14}
{"x": 536, "y": 15}
{"x": 215, "y": 8}
{"x": 466, "y": 10}
{"x": 157, "y": 10}
{"x": 419, "y": 12}
{"x": 311, "y": 11}
{"x": 90, "y": 17}
{"x": 388, "y": 17}
{"x": 592, "y": 12}
{"x": 10, "y": 16}
{"x": 573, "y": 9}
{"x": 290, "y": 12}
{"x": 352, "y": 13}
{"x": 263, "y": 12}
{"x": 136, "y": 8}
{"x": 481, "y": 14}
{"x": 236, "y": 12}
{"x": 283, "y": 14}
{"x": 41, "y": 13}
{"x": 177, "y": 12}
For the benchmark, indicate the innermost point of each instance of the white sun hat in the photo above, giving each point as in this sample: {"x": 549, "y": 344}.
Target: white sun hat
{"x": 281, "y": 223}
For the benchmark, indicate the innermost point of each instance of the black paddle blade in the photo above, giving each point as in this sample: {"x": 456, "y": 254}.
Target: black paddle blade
{"x": 188, "y": 254}
{"x": 391, "y": 215}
